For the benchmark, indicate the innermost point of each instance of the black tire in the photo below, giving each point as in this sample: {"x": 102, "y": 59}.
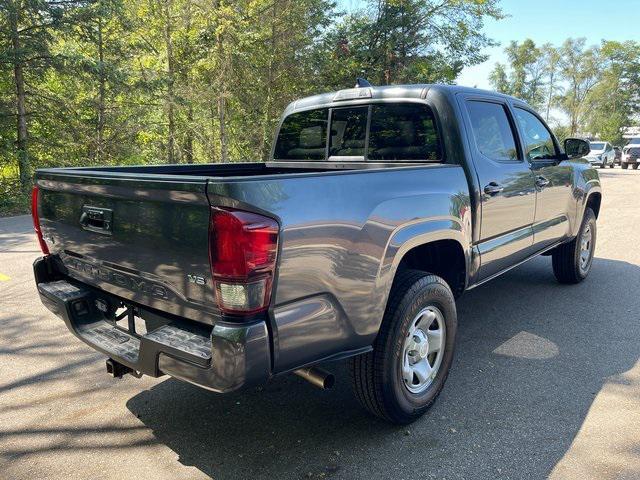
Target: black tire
{"x": 624, "y": 166}
{"x": 567, "y": 264}
{"x": 635, "y": 166}
{"x": 377, "y": 376}
{"x": 612, "y": 165}
{"x": 603, "y": 165}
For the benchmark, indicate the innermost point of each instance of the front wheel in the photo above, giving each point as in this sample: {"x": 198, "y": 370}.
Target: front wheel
{"x": 572, "y": 261}
{"x": 635, "y": 166}
{"x": 624, "y": 166}
{"x": 401, "y": 378}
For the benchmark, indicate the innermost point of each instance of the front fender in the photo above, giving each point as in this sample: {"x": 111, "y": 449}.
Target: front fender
{"x": 587, "y": 184}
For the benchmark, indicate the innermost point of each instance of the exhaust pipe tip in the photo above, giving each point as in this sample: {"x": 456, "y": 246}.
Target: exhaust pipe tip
{"x": 317, "y": 377}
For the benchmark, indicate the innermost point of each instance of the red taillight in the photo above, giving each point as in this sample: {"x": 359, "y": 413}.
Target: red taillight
{"x": 36, "y": 220}
{"x": 242, "y": 252}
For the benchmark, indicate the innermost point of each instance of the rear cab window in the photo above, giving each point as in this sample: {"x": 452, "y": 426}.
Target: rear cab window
{"x": 403, "y": 132}
{"x": 348, "y": 132}
{"x": 384, "y": 132}
{"x": 303, "y": 136}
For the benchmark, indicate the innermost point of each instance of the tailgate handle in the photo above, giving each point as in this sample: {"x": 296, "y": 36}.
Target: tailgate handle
{"x": 96, "y": 219}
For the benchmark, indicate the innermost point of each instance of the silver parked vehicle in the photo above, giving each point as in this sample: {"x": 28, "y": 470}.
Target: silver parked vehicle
{"x": 602, "y": 154}
{"x": 631, "y": 154}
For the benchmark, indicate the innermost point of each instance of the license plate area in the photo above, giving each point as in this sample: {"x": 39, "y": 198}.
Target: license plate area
{"x": 122, "y": 316}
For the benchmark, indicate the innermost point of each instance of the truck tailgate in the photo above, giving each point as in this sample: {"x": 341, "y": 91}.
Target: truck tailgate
{"x": 141, "y": 237}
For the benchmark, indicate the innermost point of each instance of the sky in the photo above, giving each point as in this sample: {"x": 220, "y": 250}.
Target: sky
{"x": 550, "y": 21}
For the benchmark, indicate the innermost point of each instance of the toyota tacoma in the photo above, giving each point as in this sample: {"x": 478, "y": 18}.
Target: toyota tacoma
{"x": 378, "y": 208}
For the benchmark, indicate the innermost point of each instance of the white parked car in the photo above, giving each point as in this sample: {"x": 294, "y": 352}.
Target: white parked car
{"x": 631, "y": 154}
{"x": 601, "y": 154}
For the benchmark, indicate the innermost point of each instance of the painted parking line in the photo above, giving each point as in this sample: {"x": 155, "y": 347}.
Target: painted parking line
{"x": 4, "y": 278}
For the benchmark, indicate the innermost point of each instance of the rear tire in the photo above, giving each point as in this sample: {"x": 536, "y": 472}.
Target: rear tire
{"x": 624, "y": 166}
{"x": 392, "y": 381}
{"x": 635, "y": 166}
{"x": 572, "y": 261}
{"x": 612, "y": 165}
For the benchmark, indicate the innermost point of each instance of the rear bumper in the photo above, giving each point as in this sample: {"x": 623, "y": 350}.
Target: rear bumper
{"x": 221, "y": 358}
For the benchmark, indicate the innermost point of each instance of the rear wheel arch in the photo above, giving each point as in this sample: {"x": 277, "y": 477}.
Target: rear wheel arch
{"x": 444, "y": 258}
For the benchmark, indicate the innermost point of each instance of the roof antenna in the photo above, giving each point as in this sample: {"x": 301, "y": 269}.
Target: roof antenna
{"x": 362, "y": 82}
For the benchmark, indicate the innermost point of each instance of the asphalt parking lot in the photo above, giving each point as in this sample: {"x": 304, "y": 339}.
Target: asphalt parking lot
{"x": 546, "y": 383}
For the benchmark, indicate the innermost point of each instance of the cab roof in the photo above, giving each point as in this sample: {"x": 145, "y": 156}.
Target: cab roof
{"x": 400, "y": 92}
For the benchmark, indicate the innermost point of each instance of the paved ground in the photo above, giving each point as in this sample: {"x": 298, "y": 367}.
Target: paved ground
{"x": 546, "y": 382}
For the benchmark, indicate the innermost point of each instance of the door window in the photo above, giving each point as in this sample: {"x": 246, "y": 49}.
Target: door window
{"x": 538, "y": 141}
{"x": 492, "y": 130}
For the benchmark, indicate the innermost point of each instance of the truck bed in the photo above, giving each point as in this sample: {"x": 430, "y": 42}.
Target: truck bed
{"x": 158, "y": 238}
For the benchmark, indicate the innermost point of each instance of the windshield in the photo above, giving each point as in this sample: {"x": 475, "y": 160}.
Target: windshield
{"x": 597, "y": 146}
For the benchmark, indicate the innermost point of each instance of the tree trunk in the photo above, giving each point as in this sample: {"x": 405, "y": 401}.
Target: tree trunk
{"x": 574, "y": 113}
{"x": 222, "y": 106}
{"x": 224, "y": 149}
{"x": 550, "y": 97}
{"x": 188, "y": 141}
{"x": 212, "y": 141}
{"x": 22, "y": 153}
{"x": 170, "y": 82}
{"x": 101, "y": 92}
{"x": 266, "y": 122}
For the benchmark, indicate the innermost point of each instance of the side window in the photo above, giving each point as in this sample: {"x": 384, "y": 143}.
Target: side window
{"x": 537, "y": 138}
{"x": 402, "y": 132}
{"x": 348, "y": 132}
{"x": 492, "y": 131}
{"x": 303, "y": 136}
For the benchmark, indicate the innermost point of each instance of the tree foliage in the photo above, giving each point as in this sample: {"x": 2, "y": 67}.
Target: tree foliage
{"x": 596, "y": 89}
{"x": 87, "y": 82}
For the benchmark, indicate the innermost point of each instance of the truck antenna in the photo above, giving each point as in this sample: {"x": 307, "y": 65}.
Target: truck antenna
{"x": 362, "y": 82}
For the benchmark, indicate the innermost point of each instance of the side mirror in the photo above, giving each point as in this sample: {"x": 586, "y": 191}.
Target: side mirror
{"x": 576, "y": 147}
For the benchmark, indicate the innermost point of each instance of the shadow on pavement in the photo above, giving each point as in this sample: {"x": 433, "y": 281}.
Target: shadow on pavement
{"x": 531, "y": 357}
{"x": 609, "y": 173}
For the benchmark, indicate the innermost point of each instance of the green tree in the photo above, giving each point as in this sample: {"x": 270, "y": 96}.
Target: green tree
{"x": 525, "y": 76}
{"x": 499, "y": 79}
{"x": 581, "y": 69}
{"x": 87, "y": 82}
{"x": 400, "y": 41}
{"x": 615, "y": 100}
{"x": 28, "y": 27}
{"x": 552, "y": 63}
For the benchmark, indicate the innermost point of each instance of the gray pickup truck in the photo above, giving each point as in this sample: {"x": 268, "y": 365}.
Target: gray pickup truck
{"x": 380, "y": 206}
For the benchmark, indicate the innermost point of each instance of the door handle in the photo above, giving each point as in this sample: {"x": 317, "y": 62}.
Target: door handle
{"x": 493, "y": 188}
{"x": 96, "y": 219}
{"x": 541, "y": 181}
